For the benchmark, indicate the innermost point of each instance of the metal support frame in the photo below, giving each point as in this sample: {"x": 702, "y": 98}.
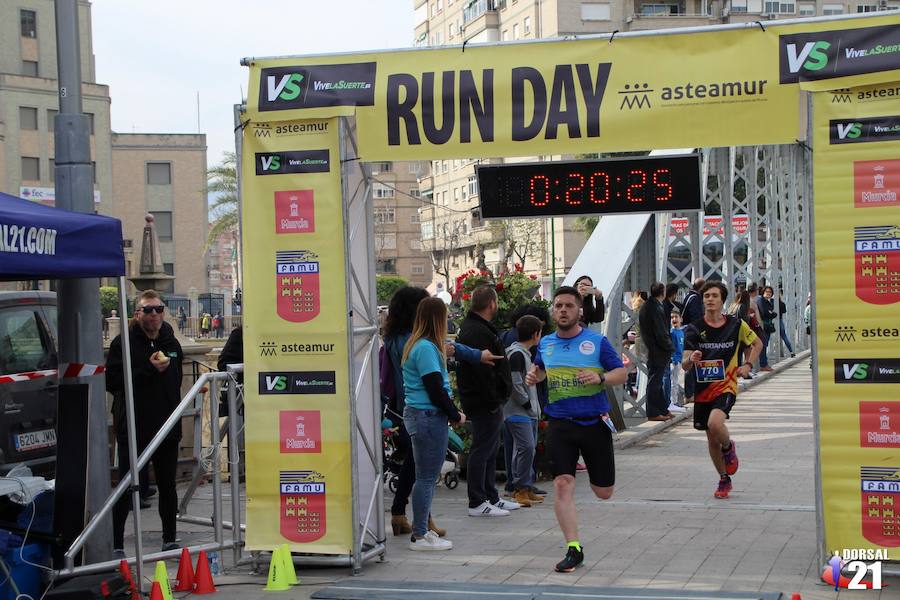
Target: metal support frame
{"x": 363, "y": 341}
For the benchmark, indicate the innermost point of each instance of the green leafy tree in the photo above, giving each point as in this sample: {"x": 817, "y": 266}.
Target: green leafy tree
{"x": 221, "y": 180}
{"x": 386, "y": 285}
{"x": 109, "y": 299}
{"x": 586, "y": 223}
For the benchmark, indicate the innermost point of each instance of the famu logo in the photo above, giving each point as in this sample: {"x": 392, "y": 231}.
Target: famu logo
{"x": 292, "y": 161}
{"x": 844, "y": 52}
{"x": 312, "y": 86}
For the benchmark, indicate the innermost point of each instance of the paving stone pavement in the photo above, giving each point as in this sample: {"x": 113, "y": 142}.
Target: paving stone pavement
{"x": 662, "y": 529}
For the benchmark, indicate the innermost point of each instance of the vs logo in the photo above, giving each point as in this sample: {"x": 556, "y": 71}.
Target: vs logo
{"x": 812, "y": 56}
{"x": 270, "y": 162}
{"x": 855, "y": 371}
{"x": 849, "y": 130}
{"x": 288, "y": 86}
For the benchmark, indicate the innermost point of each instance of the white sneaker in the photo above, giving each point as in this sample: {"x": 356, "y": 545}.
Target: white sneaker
{"x": 430, "y": 543}
{"x": 486, "y": 509}
{"x": 674, "y": 408}
{"x": 507, "y": 505}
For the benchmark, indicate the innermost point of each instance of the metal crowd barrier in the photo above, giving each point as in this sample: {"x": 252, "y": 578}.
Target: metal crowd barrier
{"x": 206, "y": 387}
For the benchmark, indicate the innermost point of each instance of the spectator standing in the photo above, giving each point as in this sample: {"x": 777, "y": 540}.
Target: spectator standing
{"x": 483, "y": 390}
{"x": 670, "y": 303}
{"x": 758, "y": 304}
{"x": 782, "y": 309}
{"x": 693, "y": 311}
{"x": 181, "y": 318}
{"x": 156, "y": 370}
{"x": 676, "y": 401}
{"x": 205, "y": 323}
{"x": 522, "y": 411}
{"x": 593, "y": 309}
{"x": 428, "y": 409}
{"x": 655, "y": 333}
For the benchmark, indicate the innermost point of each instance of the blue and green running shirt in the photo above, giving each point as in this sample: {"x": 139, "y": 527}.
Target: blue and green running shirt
{"x": 562, "y": 358}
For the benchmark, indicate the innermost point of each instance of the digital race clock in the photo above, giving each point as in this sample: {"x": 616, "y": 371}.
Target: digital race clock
{"x": 616, "y": 185}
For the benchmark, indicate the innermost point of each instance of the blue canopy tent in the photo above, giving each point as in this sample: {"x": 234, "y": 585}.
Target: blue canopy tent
{"x": 40, "y": 242}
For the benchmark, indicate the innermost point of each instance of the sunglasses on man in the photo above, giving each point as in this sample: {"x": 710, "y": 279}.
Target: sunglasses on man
{"x": 150, "y": 309}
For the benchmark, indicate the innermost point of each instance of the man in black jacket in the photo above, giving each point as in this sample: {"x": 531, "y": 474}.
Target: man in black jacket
{"x": 156, "y": 359}
{"x": 655, "y": 332}
{"x": 483, "y": 389}
{"x": 693, "y": 311}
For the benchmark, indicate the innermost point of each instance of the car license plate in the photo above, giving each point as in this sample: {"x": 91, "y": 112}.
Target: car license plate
{"x": 33, "y": 440}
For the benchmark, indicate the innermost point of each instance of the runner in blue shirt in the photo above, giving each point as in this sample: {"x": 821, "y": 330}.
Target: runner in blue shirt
{"x": 578, "y": 363}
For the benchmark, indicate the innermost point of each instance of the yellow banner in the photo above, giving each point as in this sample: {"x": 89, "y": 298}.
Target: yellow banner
{"x": 296, "y": 389}
{"x": 715, "y": 88}
{"x": 857, "y": 241}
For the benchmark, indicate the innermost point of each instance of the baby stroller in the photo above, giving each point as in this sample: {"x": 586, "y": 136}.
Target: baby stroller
{"x": 394, "y": 454}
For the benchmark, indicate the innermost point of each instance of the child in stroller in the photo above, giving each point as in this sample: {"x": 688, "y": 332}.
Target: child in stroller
{"x": 394, "y": 457}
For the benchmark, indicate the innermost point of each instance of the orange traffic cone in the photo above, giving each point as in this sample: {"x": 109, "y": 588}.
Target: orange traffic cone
{"x": 185, "y": 575}
{"x": 125, "y": 571}
{"x": 156, "y": 593}
{"x": 203, "y": 581}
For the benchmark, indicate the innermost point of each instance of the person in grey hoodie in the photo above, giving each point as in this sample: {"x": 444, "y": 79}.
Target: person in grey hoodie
{"x": 522, "y": 410}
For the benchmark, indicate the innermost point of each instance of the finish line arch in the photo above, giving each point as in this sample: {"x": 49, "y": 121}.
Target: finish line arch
{"x": 310, "y": 320}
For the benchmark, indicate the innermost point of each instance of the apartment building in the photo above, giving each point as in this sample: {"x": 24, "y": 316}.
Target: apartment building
{"x": 134, "y": 174}
{"x": 452, "y": 229}
{"x": 398, "y": 237}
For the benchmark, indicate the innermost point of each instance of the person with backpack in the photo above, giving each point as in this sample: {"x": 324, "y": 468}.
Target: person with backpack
{"x": 397, "y": 330}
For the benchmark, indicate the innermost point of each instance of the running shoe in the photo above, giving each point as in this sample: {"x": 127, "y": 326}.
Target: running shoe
{"x": 431, "y": 542}
{"x": 574, "y": 557}
{"x": 506, "y": 504}
{"x": 486, "y": 509}
{"x": 724, "y": 488}
{"x": 731, "y": 459}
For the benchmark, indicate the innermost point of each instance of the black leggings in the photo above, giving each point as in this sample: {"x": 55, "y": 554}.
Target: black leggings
{"x": 165, "y": 463}
{"x": 407, "y": 476}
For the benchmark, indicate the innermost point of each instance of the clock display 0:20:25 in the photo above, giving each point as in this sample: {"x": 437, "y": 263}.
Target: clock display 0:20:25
{"x": 599, "y": 187}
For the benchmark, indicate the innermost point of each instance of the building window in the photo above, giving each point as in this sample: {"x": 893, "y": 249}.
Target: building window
{"x": 738, "y": 6}
{"x": 527, "y": 25}
{"x": 807, "y": 10}
{"x": 415, "y": 244}
{"x": 865, "y": 8}
{"x": 427, "y": 230}
{"x": 515, "y": 31}
{"x": 417, "y": 269}
{"x": 27, "y": 118}
{"x": 414, "y": 218}
{"x": 163, "y": 222}
{"x": 28, "y": 20}
{"x": 382, "y": 167}
{"x": 159, "y": 173}
{"x": 832, "y": 9}
{"x": 505, "y": 35}
{"x": 456, "y": 194}
{"x": 444, "y": 197}
{"x": 386, "y": 265}
{"x": 90, "y": 122}
{"x": 386, "y": 241}
{"x": 94, "y": 171}
{"x": 31, "y": 168}
{"x": 415, "y": 193}
{"x": 415, "y": 167}
{"x": 169, "y": 268}
{"x": 384, "y": 216}
{"x": 30, "y": 68}
{"x": 781, "y": 8}
{"x": 51, "y": 118}
{"x": 382, "y": 191}
{"x": 595, "y": 11}
{"x": 473, "y": 185}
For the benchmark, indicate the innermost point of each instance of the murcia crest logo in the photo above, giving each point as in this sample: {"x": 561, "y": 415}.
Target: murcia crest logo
{"x": 297, "y": 285}
{"x": 877, "y": 263}
{"x": 302, "y": 511}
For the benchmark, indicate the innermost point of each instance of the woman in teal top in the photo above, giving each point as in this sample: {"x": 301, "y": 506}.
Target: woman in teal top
{"x": 428, "y": 410}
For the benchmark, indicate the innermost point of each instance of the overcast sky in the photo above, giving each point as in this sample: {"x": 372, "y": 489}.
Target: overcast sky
{"x": 156, "y": 55}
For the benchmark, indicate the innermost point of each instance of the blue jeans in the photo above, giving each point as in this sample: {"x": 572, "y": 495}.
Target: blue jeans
{"x": 784, "y": 336}
{"x": 523, "y": 455}
{"x": 429, "y": 433}
{"x": 667, "y": 384}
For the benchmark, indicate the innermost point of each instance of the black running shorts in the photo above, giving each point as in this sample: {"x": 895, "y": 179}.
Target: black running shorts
{"x": 594, "y": 443}
{"x": 702, "y": 410}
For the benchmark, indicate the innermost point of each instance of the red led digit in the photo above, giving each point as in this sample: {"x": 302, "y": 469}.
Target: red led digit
{"x": 642, "y": 176}
{"x": 661, "y": 180}
{"x": 599, "y": 180}
{"x": 577, "y": 187}
{"x": 534, "y": 192}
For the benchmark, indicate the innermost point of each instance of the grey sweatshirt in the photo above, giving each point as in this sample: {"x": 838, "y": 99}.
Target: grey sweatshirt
{"x": 523, "y": 400}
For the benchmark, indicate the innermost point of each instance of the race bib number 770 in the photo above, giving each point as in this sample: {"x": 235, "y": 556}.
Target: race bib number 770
{"x": 710, "y": 370}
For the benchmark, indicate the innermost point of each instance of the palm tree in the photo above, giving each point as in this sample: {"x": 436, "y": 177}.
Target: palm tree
{"x": 222, "y": 181}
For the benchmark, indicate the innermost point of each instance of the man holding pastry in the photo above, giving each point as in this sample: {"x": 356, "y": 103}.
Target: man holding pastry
{"x": 156, "y": 363}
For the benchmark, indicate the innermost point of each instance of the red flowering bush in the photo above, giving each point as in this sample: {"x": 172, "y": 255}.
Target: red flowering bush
{"x": 514, "y": 289}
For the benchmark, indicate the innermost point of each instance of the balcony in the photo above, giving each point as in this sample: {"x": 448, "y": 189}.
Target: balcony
{"x": 477, "y": 8}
